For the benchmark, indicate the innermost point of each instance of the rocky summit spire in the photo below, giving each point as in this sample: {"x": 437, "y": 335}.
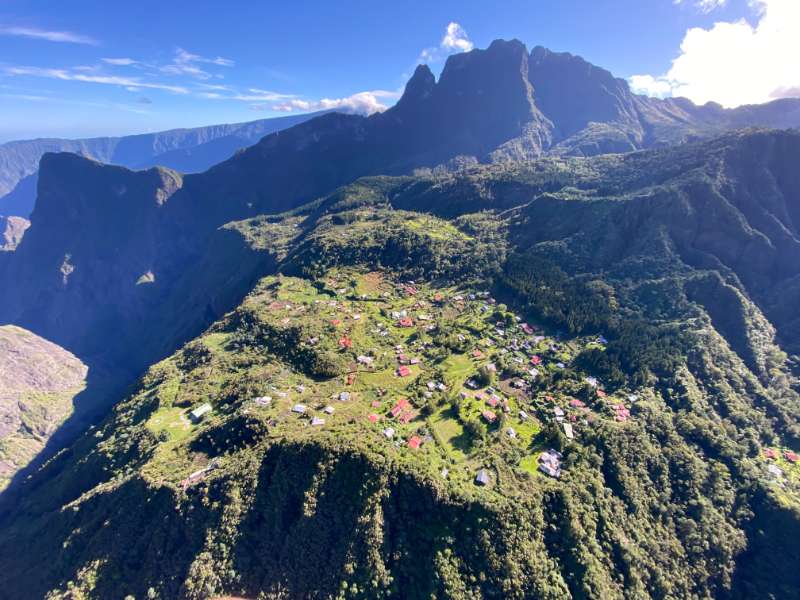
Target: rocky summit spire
{"x": 419, "y": 87}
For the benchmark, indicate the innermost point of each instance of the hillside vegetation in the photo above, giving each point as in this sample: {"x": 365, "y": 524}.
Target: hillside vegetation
{"x": 474, "y": 313}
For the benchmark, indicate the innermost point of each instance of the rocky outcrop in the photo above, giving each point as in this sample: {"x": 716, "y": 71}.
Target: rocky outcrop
{"x": 11, "y": 231}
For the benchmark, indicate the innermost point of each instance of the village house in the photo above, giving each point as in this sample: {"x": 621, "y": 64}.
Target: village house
{"x": 482, "y": 478}
{"x": 199, "y": 413}
{"x": 388, "y": 433}
{"x": 414, "y": 442}
{"x": 568, "y": 431}
{"x": 403, "y": 371}
{"x": 263, "y": 400}
{"x": 328, "y": 410}
{"x": 489, "y": 416}
{"x": 550, "y": 463}
{"x": 299, "y": 409}
{"x": 317, "y": 421}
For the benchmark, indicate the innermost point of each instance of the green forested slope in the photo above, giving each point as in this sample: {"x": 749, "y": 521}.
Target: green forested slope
{"x": 629, "y": 269}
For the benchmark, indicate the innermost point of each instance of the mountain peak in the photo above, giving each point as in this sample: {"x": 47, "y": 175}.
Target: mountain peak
{"x": 420, "y": 86}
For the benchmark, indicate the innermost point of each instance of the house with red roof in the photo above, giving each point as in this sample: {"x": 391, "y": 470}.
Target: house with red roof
{"x": 345, "y": 342}
{"x": 536, "y": 360}
{"x": 403, "y": 371}
{"x": 790, "y": 456}
{"x": 414, "y": 443}
{"x": 398, "y": 408}
{"x": 770, "y": 453}
{"x": 489, "y": 416}
{"x": 373, "y": 418}
{"x": 405, "y": 322}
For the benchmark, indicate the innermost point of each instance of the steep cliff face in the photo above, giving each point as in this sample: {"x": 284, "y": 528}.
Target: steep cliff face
{"x": 38, "y": 382}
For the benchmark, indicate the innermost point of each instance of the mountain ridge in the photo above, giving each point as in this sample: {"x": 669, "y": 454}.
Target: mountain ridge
{"x": 186, "y": 149}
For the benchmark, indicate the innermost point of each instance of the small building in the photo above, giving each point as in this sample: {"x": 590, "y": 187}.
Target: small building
{"x": 328, "y": 410}
{"x": 405, "y": 322}
{"x": 263, "y": 400}
{"x": 403, "y": 371}
{"x": 199, "y": 413}
{"x": 489, "y": 416}
{"x": 414, "y": 443}
{"x": 317, "y": 421}
{"x": 550, "y": 463}
{"x": 344, "y": 396}
{"x": 511, "y": 432}
{"x": 482, "y": 478}
{"x": 523, "y": 416}
{"x": 373, "y": 418}
{"x": 300, "y": 409}
{"x": 388, "y": 433}
{"x": 790, "y": 456}
{"x": 568, "y": 431}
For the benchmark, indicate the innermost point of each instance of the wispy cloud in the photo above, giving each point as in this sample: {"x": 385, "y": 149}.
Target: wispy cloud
{"x": 186, "y": 63}
{"x": 51, "y": 36}
{"x": 120, "y": 62}
{"x": 133, "y": 83}
{"x": 704, "y": 6}
{"x": 31, "y": 97}
{"x": 365, "y": 103}
{"x": 455, "y": 40}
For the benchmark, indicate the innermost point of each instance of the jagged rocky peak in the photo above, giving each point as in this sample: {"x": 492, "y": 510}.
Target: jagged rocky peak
{"x": 419, "y": 87}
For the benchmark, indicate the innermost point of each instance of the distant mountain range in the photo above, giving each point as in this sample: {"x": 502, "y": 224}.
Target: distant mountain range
{"x": 186, "y": 150}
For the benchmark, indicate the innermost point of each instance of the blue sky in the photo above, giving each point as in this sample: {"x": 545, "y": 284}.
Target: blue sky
{"x": 82, "y": 67}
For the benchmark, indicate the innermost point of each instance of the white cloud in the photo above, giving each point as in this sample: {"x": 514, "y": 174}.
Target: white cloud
{"x": 364, "y": 103}
{"x": 651, "y": 86}
{"x": 455, "y": 40}
{"x": 735, "y": 63}
{"x": 51, "y": 36}
{"x": 705, "y": 6}
{"x": 66, "y": 75}
{"x": 185, "y": 63}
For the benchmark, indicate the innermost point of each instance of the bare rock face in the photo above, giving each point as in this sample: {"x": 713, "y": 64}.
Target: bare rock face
{"x": 11, "y": 231}
{"x": 38, "y": 381}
